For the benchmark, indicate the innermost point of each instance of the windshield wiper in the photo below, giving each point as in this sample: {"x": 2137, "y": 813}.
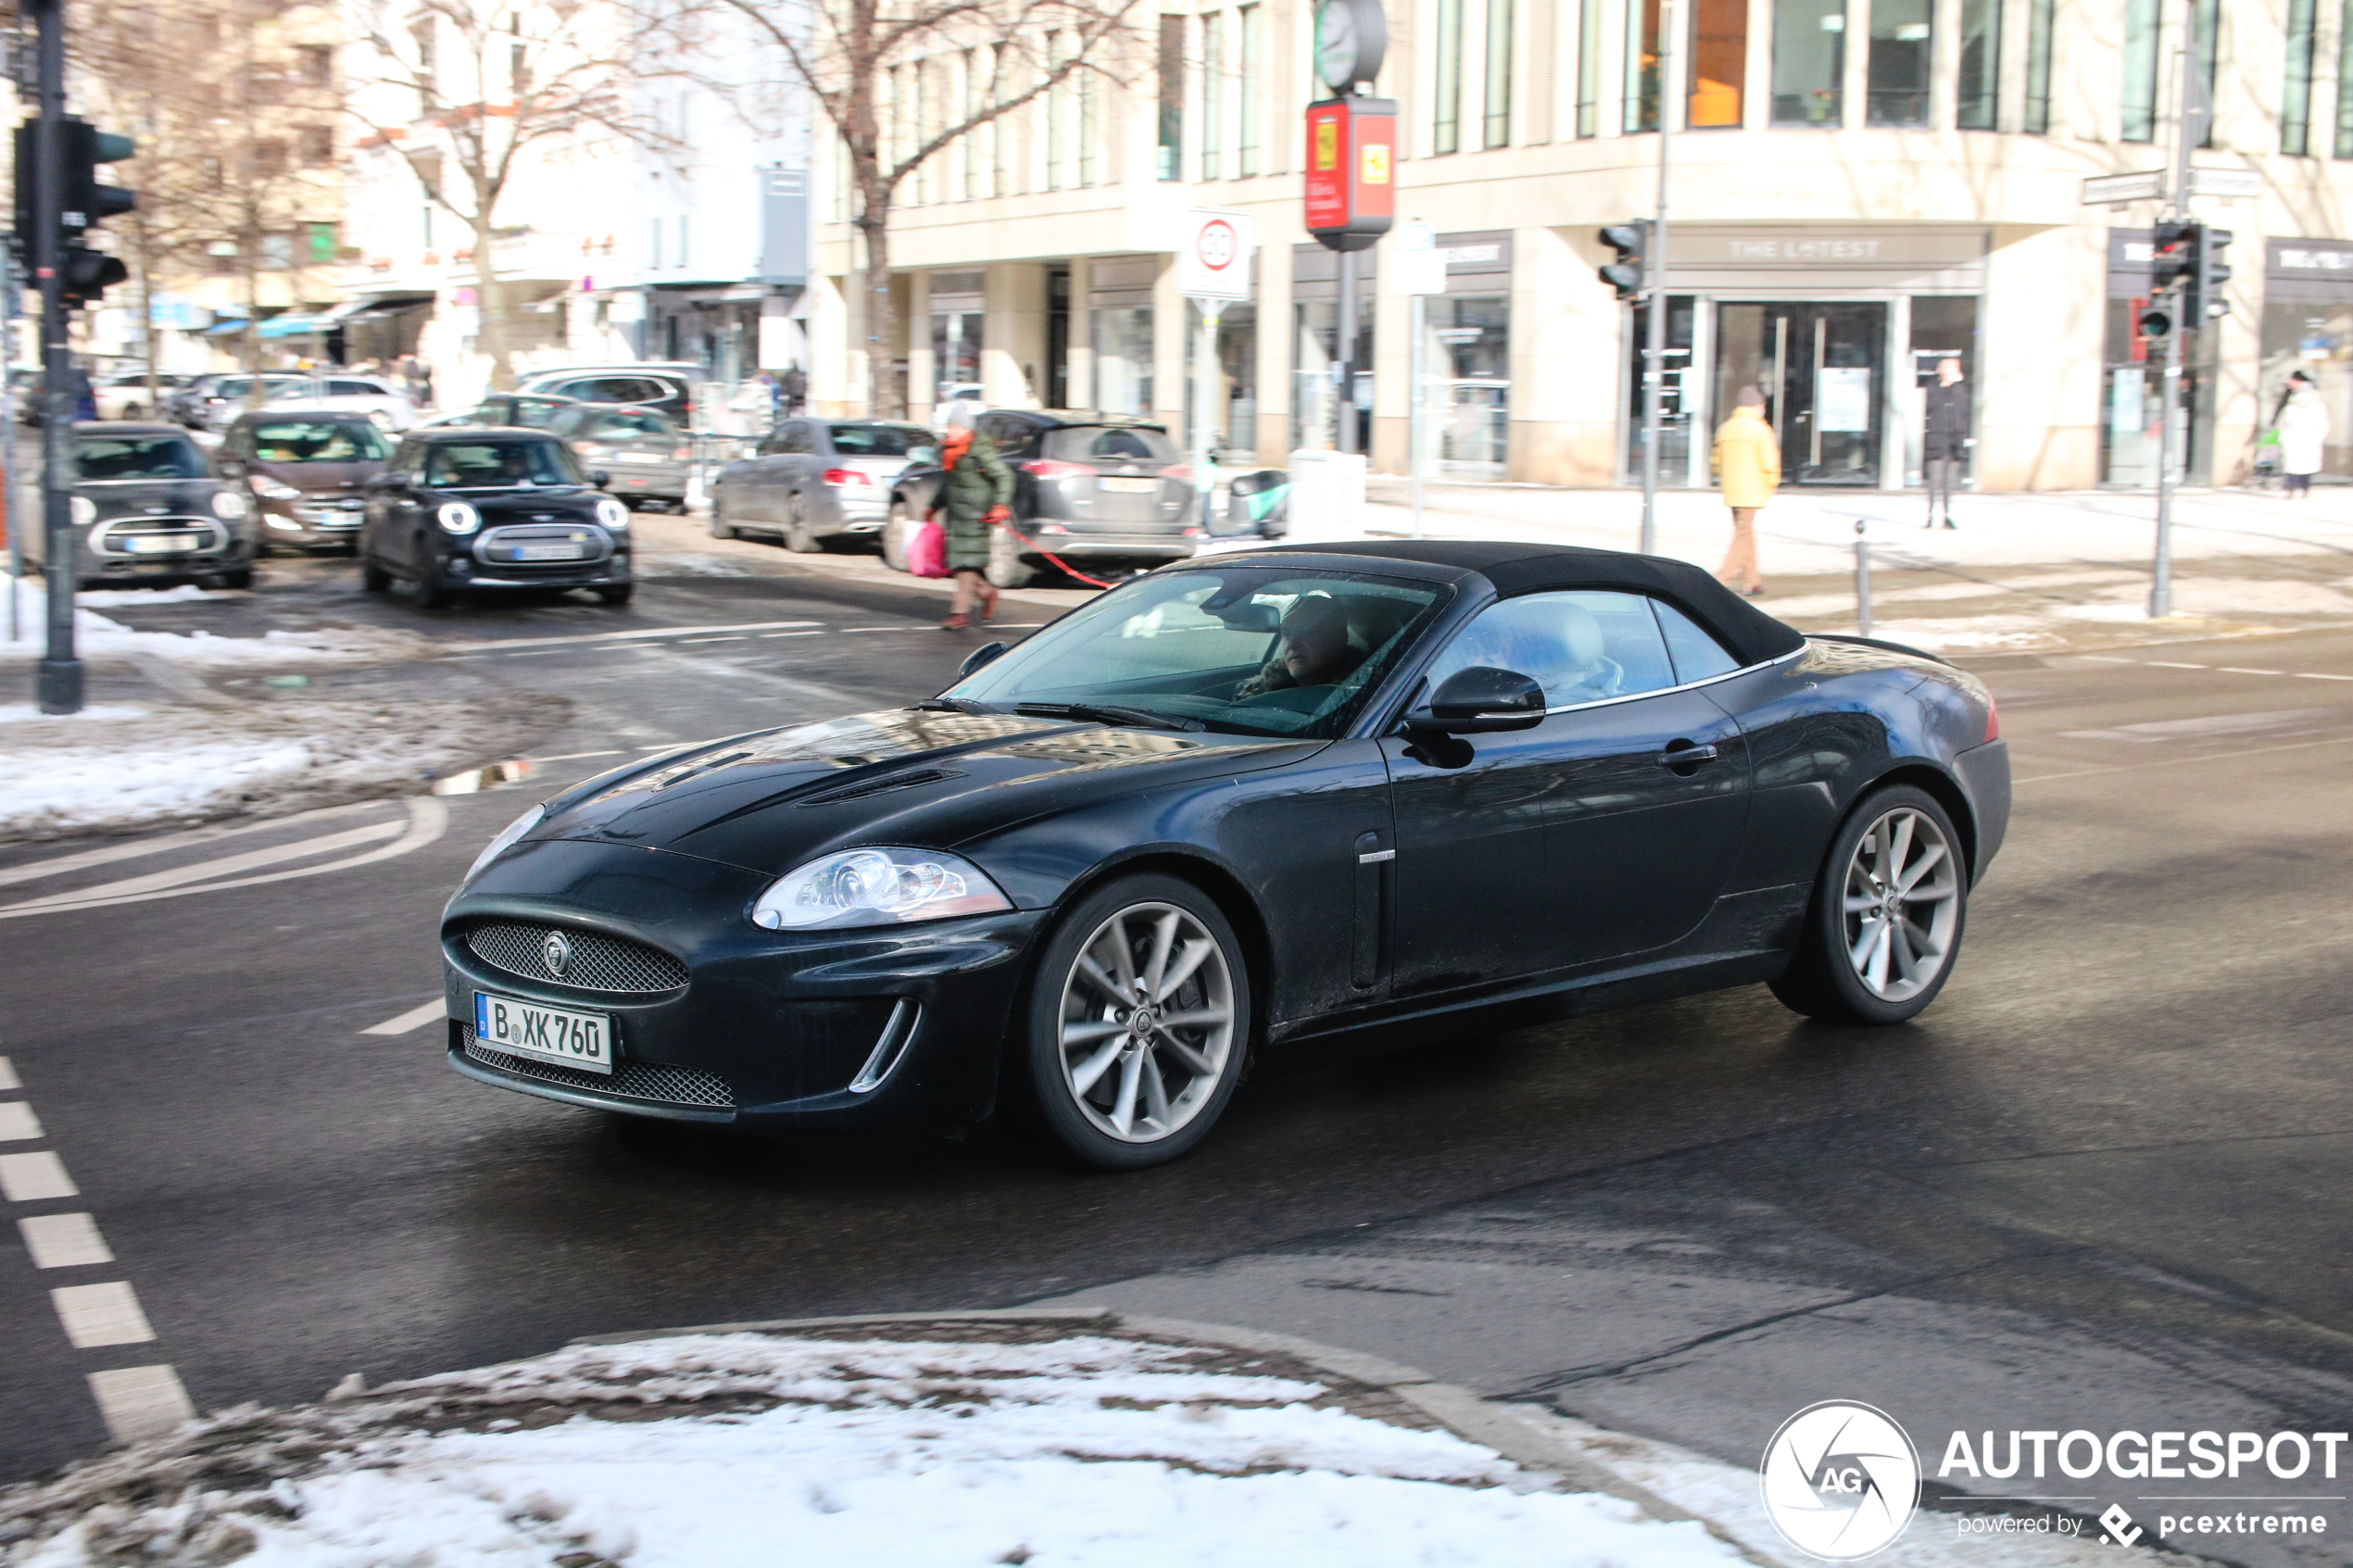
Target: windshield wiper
{"x": 951, "y": 704}
{"x": 1107, "y": 713}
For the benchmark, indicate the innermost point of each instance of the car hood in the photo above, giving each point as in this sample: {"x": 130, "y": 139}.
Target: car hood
{"x": 770, "y": 801}
{"x": 315, "y": 478}
{"x": 569, "y": 502}
{"x": 144, "y": 498}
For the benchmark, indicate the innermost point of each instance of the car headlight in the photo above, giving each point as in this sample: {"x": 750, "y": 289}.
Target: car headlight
{"x": 228, "y": 503}
{"x": 275, "y": 489}
{"x": 83, "y": 511}
{"x": 612, "y": 514}
{"x": 506, "y": 840}
{"x": 455, "y": 517}
{"x": 876, "y": 888}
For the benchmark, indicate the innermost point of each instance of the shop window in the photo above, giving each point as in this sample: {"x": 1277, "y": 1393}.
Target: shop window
{"x": 1233, "y": 405}
{"x": 2141, "y": 18}
{"x": 1977, "y": 103}
{"x": 1316, "y": 402}
{"x": 1809, "y": 62}
{"x": 2295, "y": 95}
{"x": 2040, "y": 18}
{"x": 2316, "y": 338}
{"x": 1719, "y": 58}
{"x": 1171, "y": 165}
{"x": 1446, "y": 88}
{"x": 1943, "y": 327}
{"x": 1676, "y": 387}
{"x": 1642, "y": 65}
{"x": 1589, "y": 66}
{"x": 1898, "y": 63}
{"x": 1123, "y": 337}
{"x": 955, "y": 354}
{"x": 1496, "y": 108}
{"x": 1466, "y": 405}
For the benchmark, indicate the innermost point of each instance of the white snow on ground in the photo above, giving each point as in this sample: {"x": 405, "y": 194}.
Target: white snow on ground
{"x": 1080, "y": 1452}
{"x": 98, "y": 637}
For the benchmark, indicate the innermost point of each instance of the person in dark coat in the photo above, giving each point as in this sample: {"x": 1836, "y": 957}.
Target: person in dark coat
{"x": 973, "y": 499}
{"x": 794, "y": 386}
{"x": 1945, "y": 448}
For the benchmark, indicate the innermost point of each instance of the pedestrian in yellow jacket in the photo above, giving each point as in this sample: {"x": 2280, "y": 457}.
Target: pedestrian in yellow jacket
{"x": 1748, "y": 465}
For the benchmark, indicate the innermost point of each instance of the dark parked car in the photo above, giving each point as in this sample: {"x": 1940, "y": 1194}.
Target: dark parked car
{"x": 814, "y": 480}
{"x": 646, "y": 455}
{"x": 1235, "y": 806}
{"x": 463, "y": 510}
{"x": 1087, "y": 487}
{"x": 305, "y": 473}
{"x": 147, "y": 508}
{"x": 666, "y": 386}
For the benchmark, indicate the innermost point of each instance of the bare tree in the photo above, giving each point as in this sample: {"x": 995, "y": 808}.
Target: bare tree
{"x": 1012, "y": 52}
{"x": 488, "y": 84}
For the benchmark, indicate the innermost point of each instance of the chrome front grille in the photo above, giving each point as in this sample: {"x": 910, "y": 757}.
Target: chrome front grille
{"x": 629, "y": 1079}
{"x": 596, "y": 962}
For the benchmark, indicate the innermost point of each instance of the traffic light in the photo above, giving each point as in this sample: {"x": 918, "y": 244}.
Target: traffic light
{"x": 2207, "y": 275}
{"x": 87, "y": 274}
{"x": 1629, "y": 239}
{"x": 2172, "y": 255}
{"x": 85, "y": 203}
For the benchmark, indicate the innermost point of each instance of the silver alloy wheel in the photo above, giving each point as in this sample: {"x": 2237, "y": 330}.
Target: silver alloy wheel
{"x": 1147, "y": 1023}
{"x": 1903, "y": 905}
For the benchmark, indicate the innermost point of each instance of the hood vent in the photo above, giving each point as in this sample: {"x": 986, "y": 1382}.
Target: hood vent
{"x": 878, "y": 787}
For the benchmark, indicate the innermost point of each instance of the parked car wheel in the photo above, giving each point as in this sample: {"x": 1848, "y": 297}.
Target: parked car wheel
{"x": 236, "y": 577}
{"x": 719, "y": 527}
{"x": 618, "y": 595}
{"x": 374, "y": 579}
{"x": 432, "y": 589}
{"x": 1138, "y": 1022}
{"x": 895, "y": 531}
{"x": 1006, "y": 567}
{"x": 133, "y": 411}
{"x": 1887, "y": 914}
{"x": 797, "y": 535}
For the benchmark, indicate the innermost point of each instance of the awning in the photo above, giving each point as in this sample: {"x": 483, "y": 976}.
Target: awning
{"x": 296, "y": 326}
{"x": 374, "y": 302}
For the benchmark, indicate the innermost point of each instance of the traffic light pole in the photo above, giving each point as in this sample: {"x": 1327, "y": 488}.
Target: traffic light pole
{"x": 2188, "y": 131}
{"x": 60, "y": 677}
{"x": 1655, "y": 263}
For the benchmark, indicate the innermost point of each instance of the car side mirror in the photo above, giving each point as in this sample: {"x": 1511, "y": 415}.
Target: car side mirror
{"x": 600, "y": 477}
{"x": 1483, "y": 701}
{"x": 980, "y": 656}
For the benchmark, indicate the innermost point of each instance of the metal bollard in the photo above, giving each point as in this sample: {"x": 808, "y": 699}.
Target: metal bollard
{"x": 1862, "y": 579}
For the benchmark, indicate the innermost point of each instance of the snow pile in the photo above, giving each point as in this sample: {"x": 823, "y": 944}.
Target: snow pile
{"x": 99, "y": 637}
{"x": 709, "y": 1450}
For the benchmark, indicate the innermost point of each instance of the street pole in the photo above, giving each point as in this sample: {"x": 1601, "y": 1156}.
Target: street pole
{"x": 1415, "y": 333}
{"x": 1205, "y": 388}
{"x": 1344, "y": 355}
{"x": 2188, "y": 131}
{"x": 60, "y": 681}
{"x": 1654, "y": 269}
{"x": 10, "y": 499}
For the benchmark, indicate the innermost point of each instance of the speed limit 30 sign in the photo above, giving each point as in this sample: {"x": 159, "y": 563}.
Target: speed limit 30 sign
{"x": 1214, "y": 254}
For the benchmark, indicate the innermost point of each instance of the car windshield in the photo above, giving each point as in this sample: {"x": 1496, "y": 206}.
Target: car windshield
{"x": 238, "y": 386}
{"x": 884, "y": 440}
{"x": 499, "y": 465}
{"x": 137, "y": 457}
{"x": 622, "y": 427}
{"x": 317, "y": 441}
{"x": 1121, "y": 444}
{"x": 1248, "y": 650}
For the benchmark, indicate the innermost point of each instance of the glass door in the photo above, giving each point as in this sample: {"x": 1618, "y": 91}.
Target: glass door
{"x": 1822, "y": 368}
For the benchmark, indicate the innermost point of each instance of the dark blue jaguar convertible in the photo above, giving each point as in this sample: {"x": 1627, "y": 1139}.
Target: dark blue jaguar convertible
{"x": 1234, "y": 804}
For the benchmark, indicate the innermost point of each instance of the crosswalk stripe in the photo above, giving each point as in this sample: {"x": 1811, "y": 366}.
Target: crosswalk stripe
{"x": 204, "y": 871}
{"x": 96, "y": 1316}
{"x": 36, "y": 870}
{"x": 139, "y": 1402}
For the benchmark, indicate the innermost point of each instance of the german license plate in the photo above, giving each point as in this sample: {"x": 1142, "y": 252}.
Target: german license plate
{"x": 548, "y": 552}
{"x": 545, "y": 1034}
{"x": 160, "y": 543}
{"x": 1129, "y": 486}
{"x": 637, "y": 456}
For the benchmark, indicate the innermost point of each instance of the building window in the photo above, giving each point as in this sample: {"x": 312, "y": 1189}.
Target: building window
{"x": 2140, "y": 70}
{"x": 2296, "y": 96}
{"x": 2345, "y": 81}
{"x": 319, "y": 145}
{"x": 1446, "y": 91}
{"x": 1250, "y": 38}
{"x": 1055, "y": 106}
{"x": 269, "y": 159}
{"x": 1172, "y": 98}
{"x": 1642, "y": 65}
{"x": 1123, "y": 336}
{"x": 1212, "y": 96}
{"x": 1978, "y": 103}
{"x": 1589, "y": 66}
{"x": 1809, "y": 61}
{"x": 2209, "y": 53}
{"x": 1719, "y": 58}
{"x": 1090, "y": 128}
{"x": 1898, "y": 94}
{"x": 318, "y": 67}
{"x": 2040, "y": 16}
{"x": 1497, "y": 116}
{"x": 968, "y": 147}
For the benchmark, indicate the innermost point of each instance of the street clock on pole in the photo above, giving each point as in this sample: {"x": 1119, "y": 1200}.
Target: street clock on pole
{"x": 1352, "y": 37}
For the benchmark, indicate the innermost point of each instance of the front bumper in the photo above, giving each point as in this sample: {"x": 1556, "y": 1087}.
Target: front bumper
{"x": 309, "y": 523}
{"x": 769, "y": 1028}
{"x": 1156, "y": 545}
{"x": 665, "y": 481}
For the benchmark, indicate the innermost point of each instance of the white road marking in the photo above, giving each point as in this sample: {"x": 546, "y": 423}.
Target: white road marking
{"x": 139, "y": 1402}
{"x": 575, "y": 757}
{"x": 2103, "y": 658}
{"x": 697, "y": 642}
{"x": 2234, "y": 670}
{"x": 64, "y": 1241}
{"x": 2168, "y": 664}
{"x": 428, "y": 819}
{"x": 101, "y": 1314}
{"x": 35, "y": 1178}
{"x": 502, "y": 644}
{"x": 18, "y": 1124}
{"x": 114, "y": 852}
{"x": 415, "y": 1018}
{"x": 9, "y": 1079}
{"x": 227, "y": 865}
{"x": 2159, "y": 730}
{"x": 2310, "y": 675}
{"x": 2231, "y": 756}
{"x": 766, "y": 637}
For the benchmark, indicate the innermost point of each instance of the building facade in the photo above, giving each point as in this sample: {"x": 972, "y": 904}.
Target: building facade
{"x": 1858, "y": 190}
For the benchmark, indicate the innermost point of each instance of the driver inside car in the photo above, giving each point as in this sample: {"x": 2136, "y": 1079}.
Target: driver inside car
{"x": 1317, "y": 650}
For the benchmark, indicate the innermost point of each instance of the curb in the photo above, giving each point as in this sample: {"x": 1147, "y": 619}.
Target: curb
{"x": 1460, "y": 1411}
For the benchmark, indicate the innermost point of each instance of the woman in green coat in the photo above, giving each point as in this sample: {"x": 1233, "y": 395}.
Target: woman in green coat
{"x": 972, "y": 500}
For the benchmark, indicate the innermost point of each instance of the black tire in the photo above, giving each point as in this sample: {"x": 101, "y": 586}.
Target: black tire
{"x": 374, "y": 579}
{"x": 719, "y": 527}
{"x": 894, "y": 534}
{"x": 1007, "y": 569}
{"x": 798, "y": 538}
{"x": 237, "y": 577}
{"x": 1825, "y": 980}
{"x": 1071, "y": 1115}
{"x": 618, "y": 595}
{"x": 432, "y": 589}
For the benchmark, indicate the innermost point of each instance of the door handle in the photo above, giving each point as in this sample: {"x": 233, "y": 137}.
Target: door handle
{"x": 1683, "y": 755}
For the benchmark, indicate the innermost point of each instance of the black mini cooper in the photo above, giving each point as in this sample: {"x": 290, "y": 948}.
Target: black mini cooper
{"x": 459, "y": 510}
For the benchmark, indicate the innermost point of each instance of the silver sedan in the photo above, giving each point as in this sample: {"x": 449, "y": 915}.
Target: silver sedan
{"x": 815, "y": 480}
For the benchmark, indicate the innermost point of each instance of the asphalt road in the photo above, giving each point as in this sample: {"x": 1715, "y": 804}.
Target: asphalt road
{"x": 2128, "y": 1114}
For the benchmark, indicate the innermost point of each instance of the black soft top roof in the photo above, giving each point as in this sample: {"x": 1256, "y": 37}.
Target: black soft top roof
{"x": 1516, "y": 569}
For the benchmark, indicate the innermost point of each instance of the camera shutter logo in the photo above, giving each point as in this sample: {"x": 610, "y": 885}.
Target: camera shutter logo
{"x": 1840, "y": 1480}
